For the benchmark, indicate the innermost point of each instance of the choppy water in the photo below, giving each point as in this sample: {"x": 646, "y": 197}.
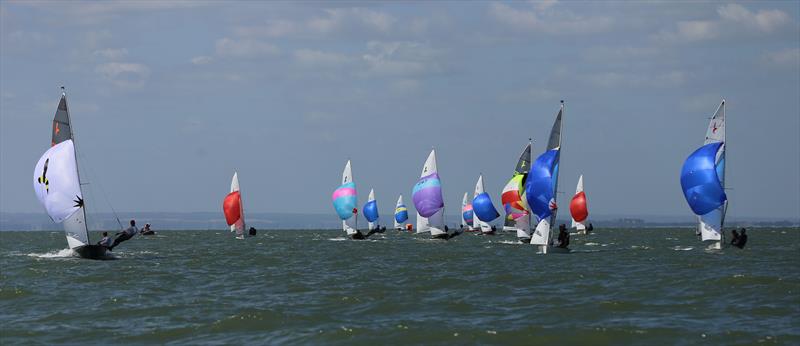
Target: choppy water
{"x": 646, "y": 287}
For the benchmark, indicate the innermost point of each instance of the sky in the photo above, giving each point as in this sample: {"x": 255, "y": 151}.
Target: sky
{"x": 168, "y": 98}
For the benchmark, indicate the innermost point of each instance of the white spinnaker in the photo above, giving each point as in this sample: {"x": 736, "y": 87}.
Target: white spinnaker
{"x": 578, "y": 224}
{"x": 350, "y": 226}
{"x": 238, "y": 226}
{"x": 434, "y": 223}
{"x": 485, "y": 227}
{"x": 710, "y": 225}
{"x": 59, "y": 191}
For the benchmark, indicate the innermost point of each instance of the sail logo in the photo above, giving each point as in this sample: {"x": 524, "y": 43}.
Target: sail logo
{"x": 43, "y": 179}
{"x": 553, "y": 205}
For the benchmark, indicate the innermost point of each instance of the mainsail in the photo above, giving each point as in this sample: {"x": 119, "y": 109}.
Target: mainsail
{"x": 371, "y": 211}
{"x": 483, "y": 207}
{"x": 703, "y": 179}
{"x": 233, "y": 208}
{"x": 578, "y": 207}
{"x": 467, "y": 215}
{"x": 513, "y": 198}
{"x": 542, "y": 185}
{"x": 345, "y": 200}
{"x": 400, "y": 213}
{"x": 427, "y": 197}
{"x": 57, "y": 183}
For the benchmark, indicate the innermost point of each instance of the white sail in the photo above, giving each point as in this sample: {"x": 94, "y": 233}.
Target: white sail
{"x": 710, "y": 225}
{"x": 57, "y": 186}
{"x": 434, "y": 223}
{"x": 485, "y": 227}
{"x": 239, "y": 226}
{"x": 580, "y": 226}
{"x": 350, "y": 226}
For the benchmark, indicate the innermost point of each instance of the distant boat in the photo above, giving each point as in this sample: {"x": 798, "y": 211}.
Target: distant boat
{"x": 578, "y": 208}
{"x": 57, "y": 184}
{"x": 400, "y": 214}
{"x": 483, "y": 208}
{"x": 427, "y": 197}
{"x": 371, "y": 212}
{"x": 345, "y": 200}
{"x": 467, "y": 215}
{"x": 233, "y": 208}
{"x": 542, "y": 187}
{"x": 517, "y": 214}
{"x": 703, "y": 181}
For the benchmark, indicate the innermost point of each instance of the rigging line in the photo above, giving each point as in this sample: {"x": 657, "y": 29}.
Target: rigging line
{"x": 102, "y": 190}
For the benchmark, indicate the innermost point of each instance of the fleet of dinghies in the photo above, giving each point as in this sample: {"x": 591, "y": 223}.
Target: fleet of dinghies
{"x": 529, "y": 199}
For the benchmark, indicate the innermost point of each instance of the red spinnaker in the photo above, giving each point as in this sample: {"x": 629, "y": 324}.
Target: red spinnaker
{"x": 232, "y": 206}
{"x": 578, "y": 207}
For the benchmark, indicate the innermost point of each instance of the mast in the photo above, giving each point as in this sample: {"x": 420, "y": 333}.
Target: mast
{"x": 77, "y": 165}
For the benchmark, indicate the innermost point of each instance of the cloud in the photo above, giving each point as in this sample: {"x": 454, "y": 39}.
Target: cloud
{"x": 315, "y": 58}
{"x": 786, "y": 57}
{"x": 543, "y": 19}
{"x": 124, "y": 75}
{"x": 732, "y": 20}
{"x": 245, "y": 48}
{"x": 400, "y": 59}
{"x": 333, "y": 21}
{"x": 202, "y": 60}
{"x": 633, "y": 79}
{"x": 111, "y": 53}
{"x": 763, "y": 20}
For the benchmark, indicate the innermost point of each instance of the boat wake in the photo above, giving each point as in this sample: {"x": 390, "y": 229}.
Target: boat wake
{"x": 63, "y": 253}
{"x": 337, "y": 239}
{"x": 510, "y": 242}
{"x": 678, "y": 248}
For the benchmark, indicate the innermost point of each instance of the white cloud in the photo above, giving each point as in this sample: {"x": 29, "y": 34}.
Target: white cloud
{"x": 763, "y": 20}
{"x": 543, "y": 19}
{"x": 111, "y": 53}
{"x": 245, "y": 48}
{"x": 310, "y": 57}
{"x": 124, "y": 75}
{"x": 786, "y": 57}
{"x": 400, "y": 59}
{"x": 633, "y": 79}
{"x": 202, "y": 60}
{"x": 334, "y": 20}
{"x": 732, "y": 20}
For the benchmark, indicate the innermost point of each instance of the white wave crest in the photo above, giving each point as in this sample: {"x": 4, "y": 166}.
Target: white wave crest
{"x": 63, "y": 253}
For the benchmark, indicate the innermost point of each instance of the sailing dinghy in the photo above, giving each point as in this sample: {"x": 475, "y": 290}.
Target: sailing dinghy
{"x": 233, "y": 208}
{"x": 57, "y": 184}
{"x": 467, "y": 215}
{"x": 428, "y": 199}
{"x": 541, "y": 190}
{"x": 483, "y": 208}
{"x": 578, "y": 209}
{"x": 518, "y": 217}
{"x": 703, "y": 181}
{"x": 400, "y": 214}
{"x": 371, "y": 213}
{"x": 345, "y": 200}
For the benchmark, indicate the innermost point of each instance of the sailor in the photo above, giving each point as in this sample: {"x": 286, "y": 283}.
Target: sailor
{"x": 146, "y": 230}
{"x": 126, "y": 234}
{"x": 106, "y": 241}
{"x": 734, "y": 237}
{"x": 590, "y": 228}
{"x": 742, "y": 239}
{"x": 563, "y": 236}
{"x": 252, "y": 231}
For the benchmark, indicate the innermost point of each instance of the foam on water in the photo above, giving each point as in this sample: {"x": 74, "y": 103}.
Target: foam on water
{"x": 63, "y": 253}
{"x": 681, "y": 248}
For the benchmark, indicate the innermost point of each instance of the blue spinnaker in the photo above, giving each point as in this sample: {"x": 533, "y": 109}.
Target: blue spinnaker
{"x": 541, "y": 181}
{"x": 371, "y": 211}
{"x": 483, "y": 207}
{"x": 700, "y": 181}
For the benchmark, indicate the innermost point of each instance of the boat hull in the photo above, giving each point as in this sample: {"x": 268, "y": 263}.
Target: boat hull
{"x": 95, "y": 252}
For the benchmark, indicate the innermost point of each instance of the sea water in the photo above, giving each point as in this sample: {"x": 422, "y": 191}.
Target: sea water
{"x": 618, "y": 286}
